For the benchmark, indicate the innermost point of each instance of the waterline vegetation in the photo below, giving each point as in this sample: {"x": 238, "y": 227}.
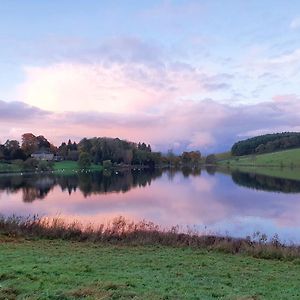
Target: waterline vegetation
{"x": 52, "y": 259}
{"x": 121, "y": 231}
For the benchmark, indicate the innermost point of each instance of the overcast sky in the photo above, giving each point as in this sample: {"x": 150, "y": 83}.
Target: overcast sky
{"x": 176, "y": 74}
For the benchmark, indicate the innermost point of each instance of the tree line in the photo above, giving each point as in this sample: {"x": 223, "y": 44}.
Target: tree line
{"x": 98, "y": 150}
{"x": 267, "y": 143}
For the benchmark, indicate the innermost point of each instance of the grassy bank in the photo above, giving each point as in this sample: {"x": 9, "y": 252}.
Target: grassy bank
{"x": 9, "y": 168}
{"x": 123, "y": 232}
{"x": 56, "y": 269}
{"x": 288, "y": 158}
{"x": 283, "y": 164}
{"x": 68, "y": 165}
{"x": 50, "y": 259}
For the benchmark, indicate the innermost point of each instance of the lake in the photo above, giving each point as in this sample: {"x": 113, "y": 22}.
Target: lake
{"x": 233, "y": 203}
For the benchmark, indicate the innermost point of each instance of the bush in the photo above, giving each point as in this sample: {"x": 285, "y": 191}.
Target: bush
{"x": 107, "y": 164}
{"x": 45, "y": 165}
{"x": 211, "y": 159}
{"x": 30, "y": 164}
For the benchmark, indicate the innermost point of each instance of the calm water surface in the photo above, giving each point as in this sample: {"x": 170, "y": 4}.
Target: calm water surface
{"x": 237, "y": 204}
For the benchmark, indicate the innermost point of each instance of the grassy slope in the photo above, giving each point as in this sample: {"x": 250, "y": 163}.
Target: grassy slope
{"x": 282, "y": 158}
{"x": 45, "y": 269}
{"x": 223, "y": 155}
{"x": 283, "y": 164}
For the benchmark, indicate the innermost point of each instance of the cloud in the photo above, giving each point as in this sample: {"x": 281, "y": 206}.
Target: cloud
{"x": 295, "y": 24}
{"x": 206, "y": 125}
{"x": 132, "y": 90}
{"x": 13, "y": 111}
{"x": 115, "y": 87}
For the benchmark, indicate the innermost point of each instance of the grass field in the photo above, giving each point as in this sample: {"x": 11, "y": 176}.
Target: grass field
{"x": 288, "y": 158}
{"x": 68, "y": 166}
{"x": 223, "y": 155}
{"x": 73, "y": 166}
{"x": 9, "y": 168}
{"x": 45, "y": 269}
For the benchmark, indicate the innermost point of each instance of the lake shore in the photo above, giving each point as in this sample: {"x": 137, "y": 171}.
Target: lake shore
{"x": 121, "y": 231}
{"x": 52, "y": 259}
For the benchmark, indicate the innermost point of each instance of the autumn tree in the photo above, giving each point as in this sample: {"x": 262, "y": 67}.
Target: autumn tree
{"x": 29, "y": 143}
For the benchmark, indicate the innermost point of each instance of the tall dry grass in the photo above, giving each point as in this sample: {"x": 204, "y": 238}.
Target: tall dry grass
{"x": 143, "y": 233}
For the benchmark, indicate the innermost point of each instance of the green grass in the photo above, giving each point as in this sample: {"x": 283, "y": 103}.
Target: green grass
{"x": 223, "y": 155}
{"x": 45, "y": 269}
{"x": 66, "y": 165}
{"x": 283, "y": 164}
{"x": 9, "y": 168}
{"x": 73, "y": 166}
{"x": 288, "y": 158}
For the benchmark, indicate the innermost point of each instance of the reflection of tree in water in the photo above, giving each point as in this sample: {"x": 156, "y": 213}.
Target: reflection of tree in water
{"x": 33, "y": 187}
{"x": 266, "y": 183}
{"x": 38, "y": 186}
{"x": 187, "y": 171}
{"x": 210, "y": 169}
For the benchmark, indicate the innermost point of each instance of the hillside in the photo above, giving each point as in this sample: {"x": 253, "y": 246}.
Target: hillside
{"x": 267, "y": 143}
{"x": 283, "y": 164}
{"x": 287, "y": 158}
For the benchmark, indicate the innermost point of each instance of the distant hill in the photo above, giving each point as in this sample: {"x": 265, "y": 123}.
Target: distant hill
{"x": 267, "y": 143}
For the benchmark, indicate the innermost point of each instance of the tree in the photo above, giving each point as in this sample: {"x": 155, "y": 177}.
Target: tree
{"x": 29, "y": 143}
{"x": 186, "y": 158}
{"x": 211, "y": 159}
{"x": 43, "y": 143}
{"x": 12, "y": 150}
{"x": 84, "y": 160}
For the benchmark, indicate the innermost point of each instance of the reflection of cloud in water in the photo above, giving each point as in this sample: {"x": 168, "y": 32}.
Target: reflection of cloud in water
{"x": 212, "y": 201}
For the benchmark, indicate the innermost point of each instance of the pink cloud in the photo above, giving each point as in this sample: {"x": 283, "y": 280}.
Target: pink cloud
{"x": 205, "y": 125}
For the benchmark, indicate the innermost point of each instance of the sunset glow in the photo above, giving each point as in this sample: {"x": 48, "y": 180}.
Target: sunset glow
{"x": 155, "y": 71}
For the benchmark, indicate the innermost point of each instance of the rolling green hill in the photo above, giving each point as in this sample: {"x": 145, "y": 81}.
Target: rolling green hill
{"x": 287, "y": 158}
{"x": 283, "y": 164}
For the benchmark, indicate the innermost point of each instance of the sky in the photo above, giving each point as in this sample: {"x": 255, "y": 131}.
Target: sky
{"x": 180, "y": 75}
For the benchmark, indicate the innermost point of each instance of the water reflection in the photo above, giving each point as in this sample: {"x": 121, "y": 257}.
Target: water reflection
{"x": 38, "y": 186}
{"x": 236, "y": 203}
{"x": 266, "y": 183}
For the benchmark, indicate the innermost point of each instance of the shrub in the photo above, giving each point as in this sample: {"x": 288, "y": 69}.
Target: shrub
{"x": 122, "y": 231}
{"x": 107, "y": 164}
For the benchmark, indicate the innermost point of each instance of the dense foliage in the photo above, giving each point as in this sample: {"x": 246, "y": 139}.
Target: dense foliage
{"x": 267, "y": 143}
{"x": 98, "y": 150}
{"x": 211, "y": 159}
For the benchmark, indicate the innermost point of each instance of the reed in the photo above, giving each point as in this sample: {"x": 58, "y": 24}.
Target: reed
{"x": 124, "y": 232}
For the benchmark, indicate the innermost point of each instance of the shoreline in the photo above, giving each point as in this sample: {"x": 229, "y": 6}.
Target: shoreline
{"x": 61, "y": 261}
{"x": 120, "y": 231}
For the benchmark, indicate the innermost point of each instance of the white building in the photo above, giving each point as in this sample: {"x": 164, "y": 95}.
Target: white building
{"x": 42, "y": 155}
